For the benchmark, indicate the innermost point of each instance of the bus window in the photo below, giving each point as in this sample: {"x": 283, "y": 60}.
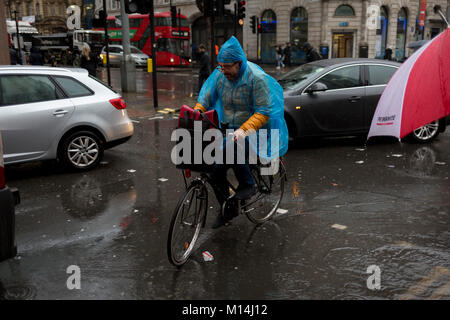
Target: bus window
{"x": 135, "y": 23}
{"x": 168, "y": 45}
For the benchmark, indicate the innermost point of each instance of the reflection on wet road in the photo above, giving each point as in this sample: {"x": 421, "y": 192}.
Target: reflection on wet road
{"x": 349, "y": 206}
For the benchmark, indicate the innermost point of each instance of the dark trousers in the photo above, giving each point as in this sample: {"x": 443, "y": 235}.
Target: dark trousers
{"x": 241, "y": 171}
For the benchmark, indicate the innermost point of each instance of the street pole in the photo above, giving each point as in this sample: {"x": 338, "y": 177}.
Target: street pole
{"x": 179, "y": 34}
{"x": 257, "y": 39}
{"x": 108, "y": 71}
{"x": 127, "y": 64}
{"x": 235, "y": 19}
{"x": 19, "y": 57}
{"x": 9, "y": 7}
{"x": 213, "y": 41}
{"x": 152, "y": 39}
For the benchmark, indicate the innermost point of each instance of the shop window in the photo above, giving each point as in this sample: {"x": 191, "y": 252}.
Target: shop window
{"x": 344, "y": 11}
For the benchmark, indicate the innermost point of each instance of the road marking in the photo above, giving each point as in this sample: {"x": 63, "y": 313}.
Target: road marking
{"x": 135, "y": 121}
{"x": 339, "y": 226}
{"x": 154, "y": 118}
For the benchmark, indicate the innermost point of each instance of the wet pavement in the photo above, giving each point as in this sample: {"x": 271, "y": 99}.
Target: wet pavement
{"x": 349, "y": 206}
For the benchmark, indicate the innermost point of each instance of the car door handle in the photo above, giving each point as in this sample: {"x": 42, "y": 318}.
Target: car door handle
{"x": 354, "y": 98}
{"x": 60, "y": 112}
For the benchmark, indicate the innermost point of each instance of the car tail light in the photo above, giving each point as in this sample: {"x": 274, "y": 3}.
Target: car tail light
{"x": 118, "y": 103}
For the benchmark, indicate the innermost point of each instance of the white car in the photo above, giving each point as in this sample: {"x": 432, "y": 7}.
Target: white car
{"x": 59, "y": 113}
{"x": 116, "y": 53}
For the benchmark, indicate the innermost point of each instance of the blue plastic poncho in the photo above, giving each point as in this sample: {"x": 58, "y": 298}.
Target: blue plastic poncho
{"x": 254, "y": 91}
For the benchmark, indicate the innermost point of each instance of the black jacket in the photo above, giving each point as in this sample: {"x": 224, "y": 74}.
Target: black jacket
{"x": 89, "y": 65}
{"x": 204, "y": 64}
{"x": 311, "y": 53}
{"x": 36, "y": 57}
{"x": 13, "y": 56}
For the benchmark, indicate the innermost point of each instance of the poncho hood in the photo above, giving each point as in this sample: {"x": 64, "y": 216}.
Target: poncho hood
{"x": 232, "y": 51}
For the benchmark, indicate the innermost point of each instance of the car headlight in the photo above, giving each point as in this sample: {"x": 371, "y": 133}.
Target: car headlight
{"x": 172, "y": 60}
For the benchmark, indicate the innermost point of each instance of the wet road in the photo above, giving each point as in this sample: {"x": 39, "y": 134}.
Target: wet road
{"x": 349, "y": 206}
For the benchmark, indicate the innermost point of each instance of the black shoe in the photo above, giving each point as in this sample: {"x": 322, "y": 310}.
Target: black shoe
{"x": 219, "y": 221}
{"x": 245, "y": 192}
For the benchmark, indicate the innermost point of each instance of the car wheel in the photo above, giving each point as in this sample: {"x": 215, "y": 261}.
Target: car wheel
{"x": 426, "y": 133}
{"x": 82, "y": 150}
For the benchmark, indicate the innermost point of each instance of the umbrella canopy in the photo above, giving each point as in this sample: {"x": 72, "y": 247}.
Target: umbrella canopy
{"x": 418, "y": 93}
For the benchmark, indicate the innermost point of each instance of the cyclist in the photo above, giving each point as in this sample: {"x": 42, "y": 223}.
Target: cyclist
{"x": 248, "y": 99}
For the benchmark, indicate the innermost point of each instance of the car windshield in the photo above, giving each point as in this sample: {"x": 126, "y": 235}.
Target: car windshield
{"x": 135, "y": 50}
{"x": 94, "y": 38}
{"x": 299, "y": 75}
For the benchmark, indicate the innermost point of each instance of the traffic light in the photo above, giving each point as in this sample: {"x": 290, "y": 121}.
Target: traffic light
{"x": 253, "y": 24}
{"x": 173, "y": 15}
{"x": 208, "y": 8}
{"x": 241, "y": 9}
{"x": 100, "y": 22}
{"x": 137, "y": 6}
{"x": 259, "y": 28}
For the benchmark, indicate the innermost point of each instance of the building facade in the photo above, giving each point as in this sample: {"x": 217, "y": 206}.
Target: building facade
{"x": 48, "y": 16}
{"x": 336, "y": 28}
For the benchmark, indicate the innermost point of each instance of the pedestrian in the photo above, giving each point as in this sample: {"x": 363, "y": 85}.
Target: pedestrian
{"x": 248, "y": 99}
{"x": 388, "y": 54}
{"x": 311, "y": 53}
{"x": 205, "y": 70}
{"x": 287, "y": 54}
{"x": 12, "y": 55}
{"x": 279, "y": 57}
{"x": 36, "y": 57}
{"x": 88, "y": 60}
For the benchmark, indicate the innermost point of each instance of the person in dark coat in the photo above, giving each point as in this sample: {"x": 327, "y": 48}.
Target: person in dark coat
{"x": 204, "y": 66}
{"x": 36, "y": 57}
{"x": 279, "y": 57}
{"x": 388, "y": 54}
{"x": 311, "y": 53}
{"x": 88, "y": 60}
{"x": 12, "y": 55}
{"x": 287, "y": 54}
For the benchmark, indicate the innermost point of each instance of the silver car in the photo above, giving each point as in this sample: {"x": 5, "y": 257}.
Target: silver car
{"x": 59, "y": 113}
{"x": 116, "y": 53}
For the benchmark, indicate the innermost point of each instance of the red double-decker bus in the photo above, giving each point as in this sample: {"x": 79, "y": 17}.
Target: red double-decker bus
{"x": 172, "y": 43}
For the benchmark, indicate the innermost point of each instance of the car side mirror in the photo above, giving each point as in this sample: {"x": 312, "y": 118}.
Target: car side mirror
{"x": 316, "y": 87}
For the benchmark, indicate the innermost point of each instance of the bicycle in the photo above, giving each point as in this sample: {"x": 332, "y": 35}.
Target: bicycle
{"x": 186, "y": 224}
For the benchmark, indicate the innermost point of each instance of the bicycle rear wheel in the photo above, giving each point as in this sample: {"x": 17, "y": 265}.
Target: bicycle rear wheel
{"x": 189, "y": 215}
{"x": 264, "y": 204}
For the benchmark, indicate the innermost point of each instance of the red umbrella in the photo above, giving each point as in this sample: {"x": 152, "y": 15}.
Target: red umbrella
{"x": 418, "y": 93}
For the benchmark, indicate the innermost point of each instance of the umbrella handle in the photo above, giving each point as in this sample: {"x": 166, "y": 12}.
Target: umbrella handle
{"x": 437, "y": 9}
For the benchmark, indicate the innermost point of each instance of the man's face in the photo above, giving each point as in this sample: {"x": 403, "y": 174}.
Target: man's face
{"x": 230, "y": 70}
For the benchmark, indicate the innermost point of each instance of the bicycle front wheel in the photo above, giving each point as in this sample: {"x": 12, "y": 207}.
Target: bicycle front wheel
{"x": 186, "y": 223}
{"x": 264, "y": 204}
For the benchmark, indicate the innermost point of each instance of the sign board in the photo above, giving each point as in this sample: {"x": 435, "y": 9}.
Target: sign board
{"x": 74, "y": 20}
{"x": 183, "y": 34}
{"x": 423, "y": 8}
{"x": 117, "y": 34}
{"x": 373, "y": 15}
